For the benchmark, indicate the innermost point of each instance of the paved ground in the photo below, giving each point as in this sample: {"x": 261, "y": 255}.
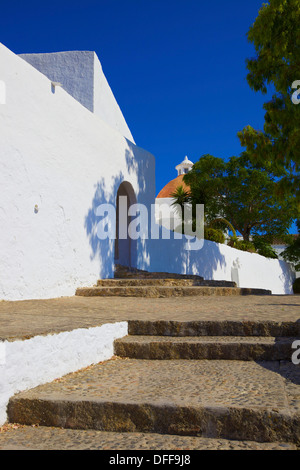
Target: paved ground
{"x": 239, "y": 400}
{"x": 47, "y": 438}
{"x": 24, "y": 319}
{"x": 251, "y": 384}
{"x": 147, "y": 381}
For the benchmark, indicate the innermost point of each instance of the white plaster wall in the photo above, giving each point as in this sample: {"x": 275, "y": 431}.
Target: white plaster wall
{"x": 56, "y": 154}
{"x": 216, "y": 261}
{"x": 73, "y": 69}
{"x": 41, "y": 359}
{"x": 105, "y": 104}
{"x": 81, "y": 75}
{"x": 165, "y": 214}
{"x": 279, "y": 249}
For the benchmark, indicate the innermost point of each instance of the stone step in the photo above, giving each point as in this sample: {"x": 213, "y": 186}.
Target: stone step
{"x": 205, "y": 347}
{"x": 169, "y": 282}
{"x": 239, "y": 400}
{"x": 125, "y": 272}
{"x": 161, "y": 291}
{"x": 214, "y": 328}
{"x": 46, "y": 438}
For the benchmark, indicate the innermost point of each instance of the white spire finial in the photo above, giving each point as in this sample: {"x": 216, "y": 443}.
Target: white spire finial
{"x": 185, "y": 166}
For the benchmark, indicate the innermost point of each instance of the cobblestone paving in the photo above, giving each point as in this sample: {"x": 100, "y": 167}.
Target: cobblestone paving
{"x": 25, "y": 319}
{"x": 227, "y": 399}
{"x": 44, "y": 438}
{"x": 275, "y": 386}
{"x": 224, "y": 383}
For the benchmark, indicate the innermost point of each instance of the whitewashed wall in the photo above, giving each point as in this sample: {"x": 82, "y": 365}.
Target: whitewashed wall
{"x": 165, "y": 213}
{"x": 105, "y": 104}
{"x": 28, "y": 363}
{"x": 219, "y": 262}
{"x": 81, "y": 75}
{"x": 58, "y": 162}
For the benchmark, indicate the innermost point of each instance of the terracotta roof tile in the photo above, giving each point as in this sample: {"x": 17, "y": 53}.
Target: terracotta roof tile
{"x": 172, "y": 186}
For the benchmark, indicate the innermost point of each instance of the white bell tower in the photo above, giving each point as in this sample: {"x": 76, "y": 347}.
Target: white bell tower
{"x": 184, "y": 167}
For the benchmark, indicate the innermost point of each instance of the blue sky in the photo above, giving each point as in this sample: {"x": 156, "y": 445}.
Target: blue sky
{"x": 177, "y": 68}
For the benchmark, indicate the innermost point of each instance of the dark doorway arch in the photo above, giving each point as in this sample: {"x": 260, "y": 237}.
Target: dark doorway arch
{"x": 125, "y": 248}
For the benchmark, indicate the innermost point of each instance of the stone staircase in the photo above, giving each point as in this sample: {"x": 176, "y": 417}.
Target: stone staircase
{"x": 215, "y": 382}
{"x": 172, "y": 385}
{"x": 132, "y": 282}
{"x": 126, "y": 272}
{"x": 205, "y": 348}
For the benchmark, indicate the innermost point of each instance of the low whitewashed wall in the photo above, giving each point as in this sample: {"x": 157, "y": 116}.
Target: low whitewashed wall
{"x": 216, "y": 261}
{"x": 41, "y": 359}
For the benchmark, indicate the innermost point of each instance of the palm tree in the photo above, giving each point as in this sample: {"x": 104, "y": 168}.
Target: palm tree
{"x": 180, "y": 197}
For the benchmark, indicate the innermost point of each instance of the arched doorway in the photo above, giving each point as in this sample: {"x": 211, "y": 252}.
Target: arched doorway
{"x": 125, "y": 248}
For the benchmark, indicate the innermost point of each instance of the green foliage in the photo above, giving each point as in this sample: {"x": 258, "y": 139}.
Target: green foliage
{"x": 292, "y": 252}
{"x": 264, "y": 248}
{"x": 242, "y": 245}
{"x": 214, "y": 235}
{"x": 241, "y": 192}
{"x": 258, "y": 245}
{"x": 296, "y": 286}
{"x": 223, "y": 224}
{"x": 275, "y": 36}
{"x": 180, "y": 197}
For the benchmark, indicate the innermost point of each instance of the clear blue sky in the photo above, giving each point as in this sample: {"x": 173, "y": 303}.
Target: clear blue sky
{"x": 177, "y": 68}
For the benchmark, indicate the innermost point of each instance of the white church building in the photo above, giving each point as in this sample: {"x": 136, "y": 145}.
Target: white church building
{"x": 166, "y": 213}
{"x": 66, "y": 151}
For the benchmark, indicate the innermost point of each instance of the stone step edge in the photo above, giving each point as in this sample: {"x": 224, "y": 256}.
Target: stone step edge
{"x": 126, "y": 272}
{"x": 263, "y": 424}
{"x": 159, "y": 291}
{"x": 263, "y": 340}
{"x": 179, "y": 328}
{"x": 211, "y": 348}
{"x": 164, "y": 282}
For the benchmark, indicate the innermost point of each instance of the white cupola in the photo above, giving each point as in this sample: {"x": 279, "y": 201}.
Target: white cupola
{"x": 184, "y": 167}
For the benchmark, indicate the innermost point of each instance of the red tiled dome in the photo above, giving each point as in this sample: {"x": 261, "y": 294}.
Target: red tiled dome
{"x": 171, "y": 187}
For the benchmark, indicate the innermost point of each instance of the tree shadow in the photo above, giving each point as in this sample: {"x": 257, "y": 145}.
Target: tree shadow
{"x": 173, "y": 253}
{"x": 208, "y": 260}
{"x": 286, "y": 355}
{"x": 103, "y": 250}
{"x": 288, "y": 278}
{"x": 139, "y": 172}
{"x": 140, "y": 165}
{"x": 286, "y": 369}
{"x": 165, "y": 253}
